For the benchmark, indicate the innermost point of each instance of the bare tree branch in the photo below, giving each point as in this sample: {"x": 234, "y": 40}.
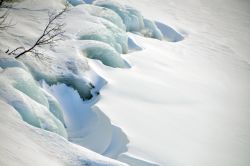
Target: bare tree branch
{"x": 52, "y": 33}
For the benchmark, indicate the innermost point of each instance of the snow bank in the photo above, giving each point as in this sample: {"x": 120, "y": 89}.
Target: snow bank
{"x": 24, "y": 145}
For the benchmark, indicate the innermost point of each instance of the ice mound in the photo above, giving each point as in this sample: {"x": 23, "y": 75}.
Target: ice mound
{"x": 64, "y": 65}
{"x": 136, "y": 23}
{"x": 151, "y": 30}
{"x": 18, "y": 88}
{"x": 96, "y": 27}
{"x": 131, "y": 17}
{"x": 105, "y": 13}
{"x": 106, "y": 54}
{"x": 83, "y": 86}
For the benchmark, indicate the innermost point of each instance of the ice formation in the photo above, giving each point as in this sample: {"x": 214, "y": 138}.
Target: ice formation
{"x": 76, "y": 2}
{"x": 106, "y": 55}
{"x": 19, "y": 89}
{"x": 133, "y": 19}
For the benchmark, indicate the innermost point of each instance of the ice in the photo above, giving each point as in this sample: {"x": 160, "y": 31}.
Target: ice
{"x": 6, "y": 62}
{"x": 91, "y": 27}
{"x": 89, "y": 1}
{"x": 131, "y": 17}
{"x": 55, "y": 107}
{"x": 76, "y": 2}
{"x": 151, "y": 30}
{"x": 105, "y": 13}
{"x": 65, "y": 66}
{"x": 20, "y": 90}
{"x": 106, "y": 54}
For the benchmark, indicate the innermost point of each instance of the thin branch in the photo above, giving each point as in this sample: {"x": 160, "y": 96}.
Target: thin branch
{"x": 52, "y": 33}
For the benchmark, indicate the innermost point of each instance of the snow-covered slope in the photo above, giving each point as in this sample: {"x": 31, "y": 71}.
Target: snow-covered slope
{"x": 186, "y": 103}
{"x": 140, "y": 83}
{"x": 22, "y": 144}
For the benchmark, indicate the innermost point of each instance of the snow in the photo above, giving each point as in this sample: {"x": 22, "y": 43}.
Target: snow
{"x": 28, "y": 145}
{"x": 169, "y": 33}
{"x": 131, "y": 100}
{"x": 186, "y": 103}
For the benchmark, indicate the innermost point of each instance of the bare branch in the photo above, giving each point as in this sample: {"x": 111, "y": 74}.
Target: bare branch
{"x": 52, "y": 33}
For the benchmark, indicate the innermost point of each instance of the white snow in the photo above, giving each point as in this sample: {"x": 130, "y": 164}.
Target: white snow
{"x": 181, "y": 100}
{"x": 186, "y": 103}
{"x": 22, "y": 144}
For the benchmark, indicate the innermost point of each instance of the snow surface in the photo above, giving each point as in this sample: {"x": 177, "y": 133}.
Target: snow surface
{"x": 22, "y": 144}
{"x": 111, "y": 87}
